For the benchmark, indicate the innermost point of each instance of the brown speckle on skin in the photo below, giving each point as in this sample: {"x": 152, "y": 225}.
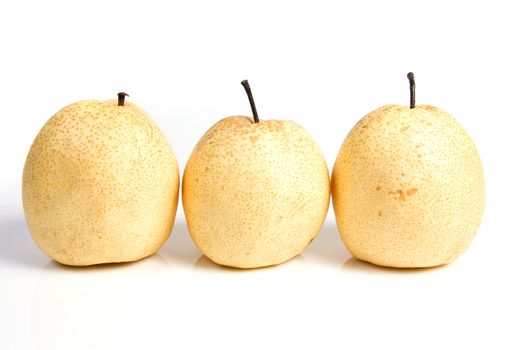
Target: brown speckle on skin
{"x": 411, "y": 192}
{"x": 401, "y": 194}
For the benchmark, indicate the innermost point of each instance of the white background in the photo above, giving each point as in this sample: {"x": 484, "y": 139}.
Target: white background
{"x": 324, "y": 64}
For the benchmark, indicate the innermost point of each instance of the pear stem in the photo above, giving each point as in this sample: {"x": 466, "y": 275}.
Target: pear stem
{"x": 412, "y": 81}
{"x": 121, "y": 98}
{"x": 252, "y": 102}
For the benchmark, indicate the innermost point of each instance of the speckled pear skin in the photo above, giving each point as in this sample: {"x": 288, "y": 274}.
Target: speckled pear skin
{"x": 408, "y": 188}
{"x": 100, "y": 185}
{"x": 255, "y": 194}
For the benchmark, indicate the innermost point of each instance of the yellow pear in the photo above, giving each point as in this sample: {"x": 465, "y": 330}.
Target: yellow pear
{"x": 100, "y": 184}
{"x": 255, "y": 193}
{"x": 408, "y": 187}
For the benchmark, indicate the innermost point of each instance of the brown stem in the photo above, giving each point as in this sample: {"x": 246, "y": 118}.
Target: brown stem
{"x": 412, "y": 81}
{"x": 121, "y": 98}
{"x": 252, "y": 102}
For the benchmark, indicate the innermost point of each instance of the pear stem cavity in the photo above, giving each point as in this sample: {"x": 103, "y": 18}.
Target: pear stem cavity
{"x": 121, "y": 98}
{"x": 412, "y": 81}
{"x": 252, "y": 102}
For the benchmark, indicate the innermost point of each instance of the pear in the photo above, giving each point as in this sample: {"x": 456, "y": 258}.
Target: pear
{"x": 408, "y": 187}
{"x": 100, "y": 184}
{"x": 255, "y": 193}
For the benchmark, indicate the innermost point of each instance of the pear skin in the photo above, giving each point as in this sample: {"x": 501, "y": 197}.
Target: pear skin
{"x": 100, "y": 184}
{"x": 408, "y": 188}
{"x": 255, "y": 194}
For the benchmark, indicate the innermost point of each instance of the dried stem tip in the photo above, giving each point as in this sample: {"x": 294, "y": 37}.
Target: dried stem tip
{"x": 121, "y": 98}
{"x": 412, "y": 81}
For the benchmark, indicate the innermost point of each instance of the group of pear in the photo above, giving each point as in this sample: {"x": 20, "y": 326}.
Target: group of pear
{"x": 101, "y": 185}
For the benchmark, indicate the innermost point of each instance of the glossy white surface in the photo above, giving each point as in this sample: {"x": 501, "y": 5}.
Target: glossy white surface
{"x": 322, "y": 298}
{"x": 324, "y": 64}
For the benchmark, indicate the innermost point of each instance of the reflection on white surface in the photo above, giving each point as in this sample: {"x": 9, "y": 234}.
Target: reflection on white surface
{"x": 211, "y": 276}
{"x": 322, "y": 298}
{"x": 175, "y": 293}
{"x": 100, "y": 305}
{"x": 298, "y": 264}
{"x": 111, "y": 306}
{"x": 360, "y": 266}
